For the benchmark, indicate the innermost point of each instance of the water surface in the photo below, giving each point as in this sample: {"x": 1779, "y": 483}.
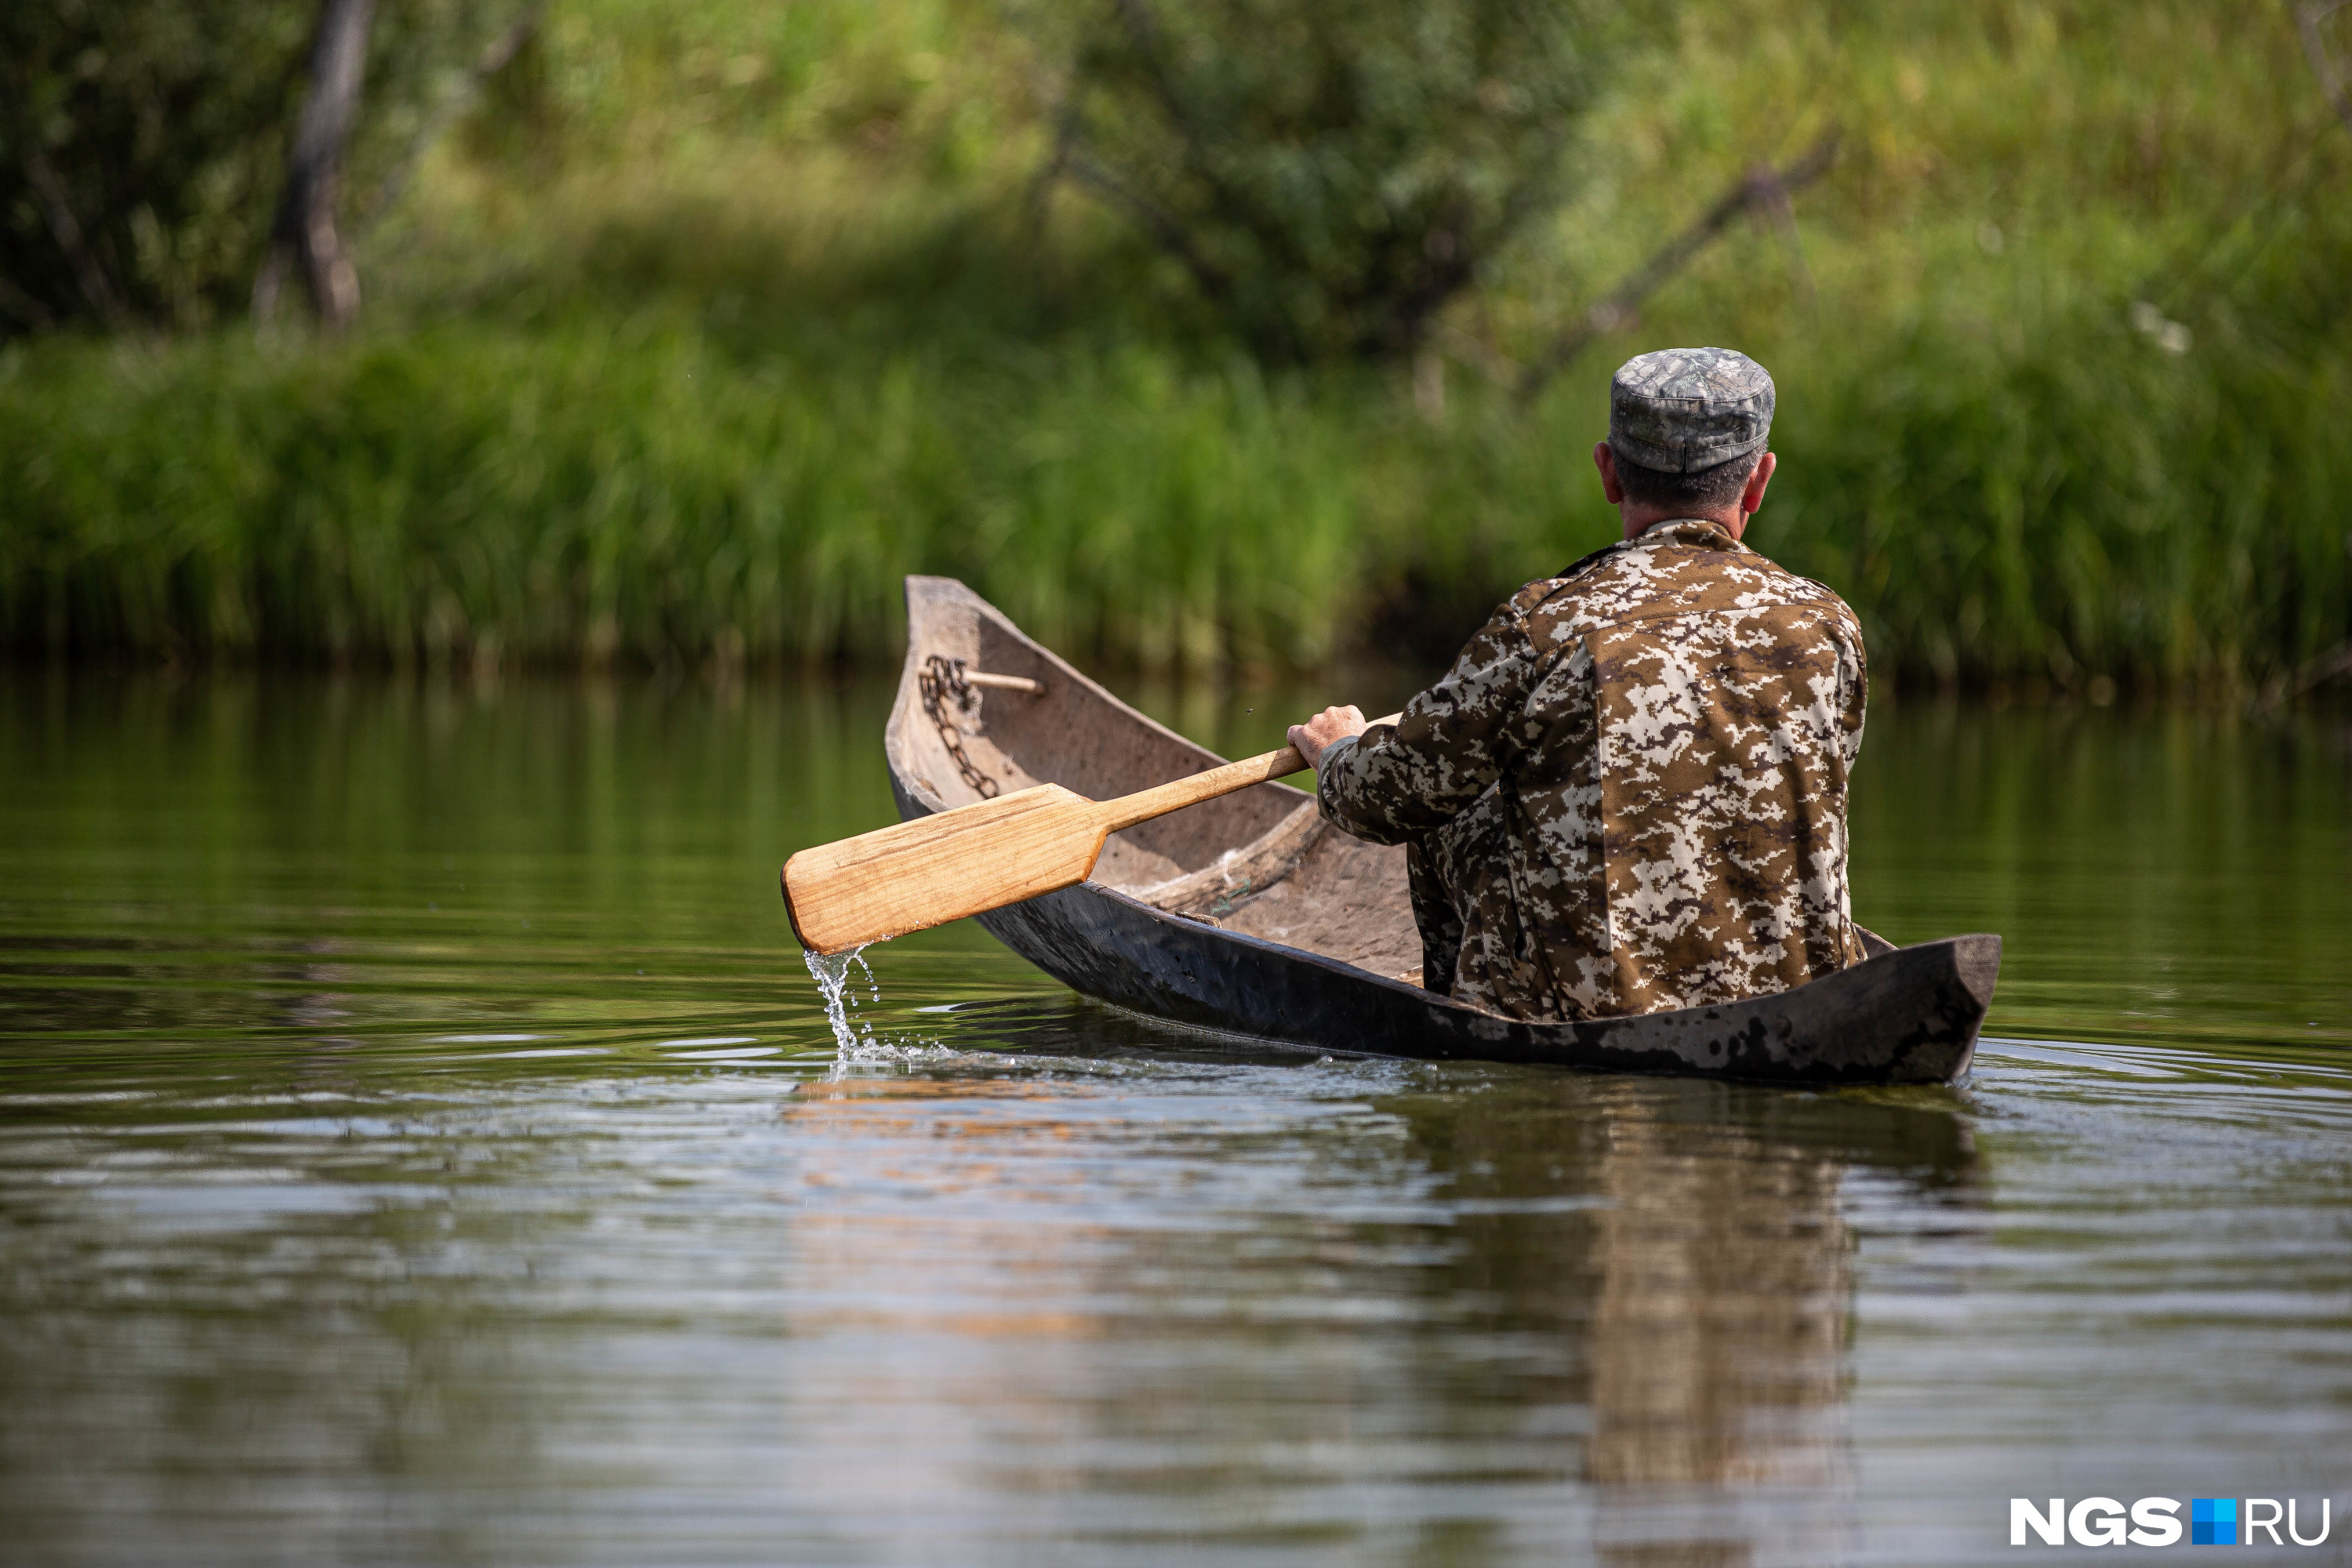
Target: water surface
{"x": 419, "y": 1142}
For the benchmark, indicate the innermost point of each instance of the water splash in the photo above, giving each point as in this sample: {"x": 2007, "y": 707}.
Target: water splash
{"x": 831, "y": 972}
{"x": 855, "y": 1037}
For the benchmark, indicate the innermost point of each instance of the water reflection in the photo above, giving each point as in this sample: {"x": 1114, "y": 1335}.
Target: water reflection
{"x": 1722, "y": 1312}
{"x": 1727, "y": 1284}
{"x": 1689, "y": 1241}
{"x": 1622, "y": 1304}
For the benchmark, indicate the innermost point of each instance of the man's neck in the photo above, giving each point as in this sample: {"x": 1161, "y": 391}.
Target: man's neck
{"x": 1731, "y": 520}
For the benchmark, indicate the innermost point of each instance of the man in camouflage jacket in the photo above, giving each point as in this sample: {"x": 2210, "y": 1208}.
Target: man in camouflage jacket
{"x": 1629, "y": 794}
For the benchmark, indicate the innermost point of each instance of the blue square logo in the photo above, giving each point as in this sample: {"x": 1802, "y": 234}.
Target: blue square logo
{"x": 2214, "y": 1522}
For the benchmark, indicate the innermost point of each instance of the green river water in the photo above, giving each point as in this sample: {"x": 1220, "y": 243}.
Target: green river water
{"x": 421, "y": 1143}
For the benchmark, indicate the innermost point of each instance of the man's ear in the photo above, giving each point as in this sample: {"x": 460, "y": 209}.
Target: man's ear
{"x": 1752, "y": 498}
{"x": 1606, "y": 461}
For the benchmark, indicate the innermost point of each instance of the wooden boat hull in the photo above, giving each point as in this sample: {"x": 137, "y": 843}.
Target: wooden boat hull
{"x": 1908, "y": 1014}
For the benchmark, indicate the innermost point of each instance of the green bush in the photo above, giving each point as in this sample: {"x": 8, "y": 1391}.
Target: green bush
{"x": 1332, "y": 173}
{"x": 143, "y": 143}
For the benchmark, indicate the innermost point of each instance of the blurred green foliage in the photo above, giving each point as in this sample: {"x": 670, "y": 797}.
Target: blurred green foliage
{"x": 2089, "y": 502}
{"x": 147, "y": 138}
{"x": 143, "y": 143}
{"x": 713, "y": 321}
{"x": 1331, "y": 174}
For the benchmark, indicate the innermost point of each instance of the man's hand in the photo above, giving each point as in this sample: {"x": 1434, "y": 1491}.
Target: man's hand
{"x": 1331, "y": 724}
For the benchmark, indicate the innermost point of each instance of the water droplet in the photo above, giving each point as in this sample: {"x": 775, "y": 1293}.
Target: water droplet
{"x": 832, "y": 977}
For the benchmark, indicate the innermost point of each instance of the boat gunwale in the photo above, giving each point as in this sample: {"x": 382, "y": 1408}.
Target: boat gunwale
{"x": 907, "y": 696}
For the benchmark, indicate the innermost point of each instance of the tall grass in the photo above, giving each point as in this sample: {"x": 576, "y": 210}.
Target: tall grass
{"x": 2080, "y": 502}
{"x": 2087, "y": 485}
{"x": 608, "y": 489}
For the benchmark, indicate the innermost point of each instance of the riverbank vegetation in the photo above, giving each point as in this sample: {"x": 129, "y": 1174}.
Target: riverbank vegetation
{"x": 702, "y": 328}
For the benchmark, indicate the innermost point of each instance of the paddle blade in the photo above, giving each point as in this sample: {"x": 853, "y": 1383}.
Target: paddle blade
{"x": 939, "y": 868}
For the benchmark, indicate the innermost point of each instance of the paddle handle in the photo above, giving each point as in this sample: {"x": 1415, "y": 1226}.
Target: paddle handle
{"x": 1177, "y": 794}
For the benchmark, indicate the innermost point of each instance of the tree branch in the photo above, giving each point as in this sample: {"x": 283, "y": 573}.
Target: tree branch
{"x": 1763, "y": 188}
{"x": 1231, "y": 205}
{"x": 56, "y": 211}
{"x": 1033, "y": 201}
{"x": 2308, "y": 16}
{"x": 496, "y": 56}
{"x": 1439, "y": 286}
{"x": 1143, "y": 35}
{"x": 304, "y": 234}
{"x": 1163, "y": 227}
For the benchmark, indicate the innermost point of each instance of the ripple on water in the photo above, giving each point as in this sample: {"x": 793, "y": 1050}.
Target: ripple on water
{"x": 317, "y": 1250}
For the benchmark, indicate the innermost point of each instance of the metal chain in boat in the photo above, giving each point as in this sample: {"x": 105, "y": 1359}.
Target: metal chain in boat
{"x": 940, "y": 682}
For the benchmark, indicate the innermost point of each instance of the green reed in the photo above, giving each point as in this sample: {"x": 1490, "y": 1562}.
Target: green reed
{"x": 2084, "y": 503}
{"x": 605, "y": 490}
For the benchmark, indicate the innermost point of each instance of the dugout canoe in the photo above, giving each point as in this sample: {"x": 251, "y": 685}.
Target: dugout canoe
{"x": 1251, "y": 916}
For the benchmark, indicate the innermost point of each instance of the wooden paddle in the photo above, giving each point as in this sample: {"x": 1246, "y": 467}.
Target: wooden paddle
{"x": 982, "y": 856}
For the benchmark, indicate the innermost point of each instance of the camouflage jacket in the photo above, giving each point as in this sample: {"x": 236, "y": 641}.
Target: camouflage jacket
{"x": 1632, "y": 784}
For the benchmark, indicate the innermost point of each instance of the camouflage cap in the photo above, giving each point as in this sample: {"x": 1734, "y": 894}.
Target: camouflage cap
{"x": 1681, "y": 410}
